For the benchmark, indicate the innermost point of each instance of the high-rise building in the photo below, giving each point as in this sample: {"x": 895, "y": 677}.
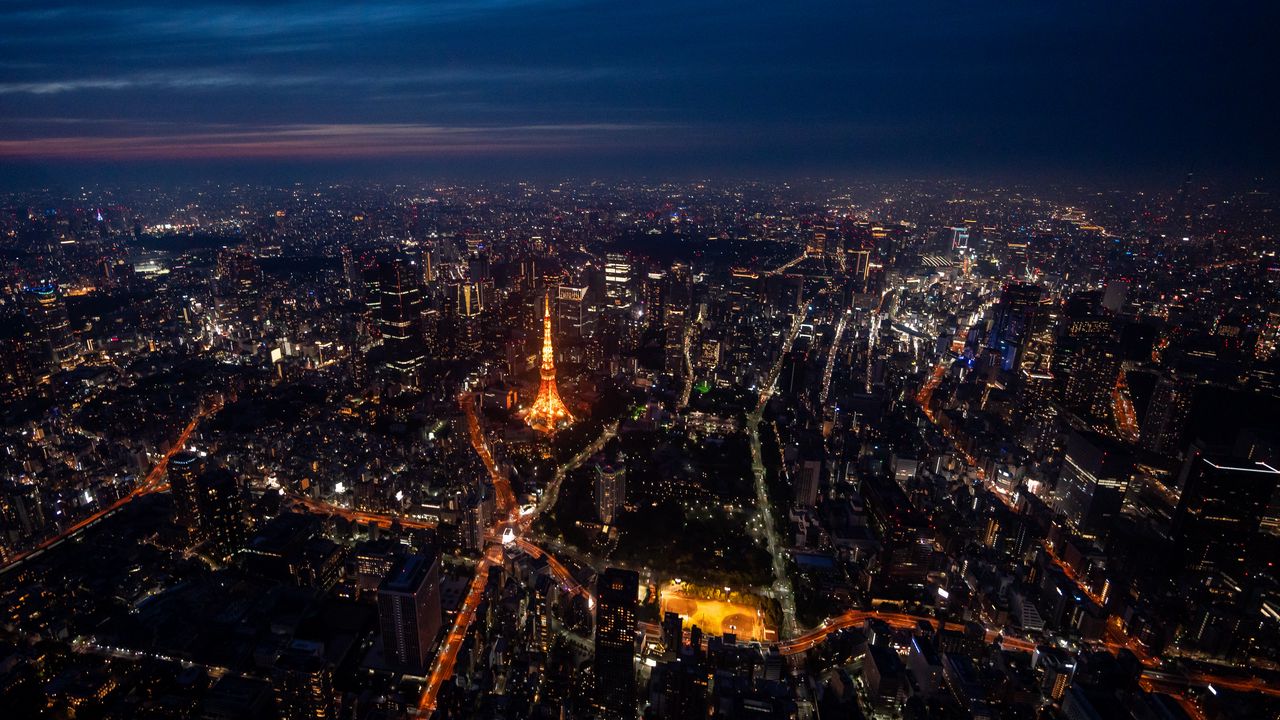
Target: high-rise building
{"x": 468, "y": 308}
{"x": 1014, "y": 321}
{"x": 617, "y": 602}
{"x": 858, "y": 264}
{"x": 617, "y": 279}
{"x": 816, "y": 244}
{"x": 575, "y": 312}
{"x": 57, "y": 346}
{"x": 350, "y": 275}
{"x": 184, "y": 468}
{"x": 1087, "y": 359}
{"x": 1095, "y": 477}
{"x": 808, "y": 482}
{"x": 20, "y": 356}
{"x": 673, "y": 347}
{"x": 684, "y": 684}
{"x": 371, "y": 280}
{"x": 655, "y": 298}
{"x": 1165, "y": 422}
{"x": 303, "y": 683}
{"x": 906, "y": 541}
{"x": 1115, "y": 295}
{"x": 1221, "y": 509}
{"x": 237, "y": 271}
{"x": 409, "y": 611}
{"x": 220, "y": 509}
{"x": 400, "y": 320}
{"x": 429, "y": 263}
{"x": 611, "y": 489}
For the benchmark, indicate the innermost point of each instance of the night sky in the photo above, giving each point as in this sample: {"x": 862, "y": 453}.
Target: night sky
{"x": 1020, "y": 89}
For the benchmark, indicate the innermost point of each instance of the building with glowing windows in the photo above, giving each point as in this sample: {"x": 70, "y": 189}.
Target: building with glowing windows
{"x": 617, "y": 602}
{"x": 56, "y": 345}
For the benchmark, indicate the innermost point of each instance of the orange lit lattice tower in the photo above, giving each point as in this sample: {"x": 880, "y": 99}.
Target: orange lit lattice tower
{"x": 548, "y": 412}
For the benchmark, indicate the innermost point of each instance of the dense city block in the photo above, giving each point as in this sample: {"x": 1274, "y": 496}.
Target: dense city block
{"x": 902, "y": 451}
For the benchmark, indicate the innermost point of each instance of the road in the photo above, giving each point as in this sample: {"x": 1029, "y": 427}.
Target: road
{"x": 153, "y": 482}
{"x": 506, "y": 499}
{"x": 567, "y": 581}
{"x": 687, "y": 340}
{"x": 381, "y": 520}
{"x": 781, "y": 580}
{"x": 1151, "y": 663}
{"x": 789, "y": 264}
{"x": 1122, "y": 408}
{"x": 447, "y": 655}
{"x": 855, "y": 618}
{"x": 831, "y": 357}
{"x": 548, "y": 499}
{"x": 507, "y": 523}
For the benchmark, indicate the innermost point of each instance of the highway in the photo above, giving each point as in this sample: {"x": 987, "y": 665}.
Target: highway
{"x": 381, "y": 520}
{"x": 447, "y": 655}
{"x": 506, "y": 519}
{"x": 831, "y": 357}
{"x": 1122, "y": 408}
{"x": 855, "y": 618}
{"x": 506, "y": 499}
{"x": 153, "y": 482}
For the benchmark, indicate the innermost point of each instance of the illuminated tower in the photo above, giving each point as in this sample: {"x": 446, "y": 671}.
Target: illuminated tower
{"x": 548, "y": 412}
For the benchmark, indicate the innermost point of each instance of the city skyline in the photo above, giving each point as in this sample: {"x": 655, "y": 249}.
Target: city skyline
{"x": 583, "y": 360}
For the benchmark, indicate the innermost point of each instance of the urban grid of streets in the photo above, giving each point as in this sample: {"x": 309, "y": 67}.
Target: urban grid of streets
{"x": 510, "y": 526}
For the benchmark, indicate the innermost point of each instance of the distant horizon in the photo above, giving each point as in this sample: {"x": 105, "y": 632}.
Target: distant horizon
{"x": 506, "y": 88}
{"x": 18, "y": 179}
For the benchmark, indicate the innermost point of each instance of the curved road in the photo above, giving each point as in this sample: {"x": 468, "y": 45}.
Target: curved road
{"x": 153, "y": 482}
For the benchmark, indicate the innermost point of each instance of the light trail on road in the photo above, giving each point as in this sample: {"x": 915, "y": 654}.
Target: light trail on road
{"x": 153, "y": 482}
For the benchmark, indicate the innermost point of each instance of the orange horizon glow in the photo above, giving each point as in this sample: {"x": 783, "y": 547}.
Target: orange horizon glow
{"x": 321, "y": 141}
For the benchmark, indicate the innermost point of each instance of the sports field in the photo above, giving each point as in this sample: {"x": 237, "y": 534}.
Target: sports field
{"x": 715, "y": 617}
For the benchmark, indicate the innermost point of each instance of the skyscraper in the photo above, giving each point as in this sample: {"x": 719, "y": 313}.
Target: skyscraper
{"x": 470, "y": 304}
{"x": 1095, "y": 477}
{"x": 655, "y": 297}
{"x": 56, "y": 345}
{"x": 1087, "y": 358}
{"x": 184, "y": 469}
{"x": 611, "y": 489}
{"x": 617, "y": 600}
{"x": 400, "y": 320}
{"x": 575, "y": 312}
{"x": 350, "y": 275}
{"x": 617, "y": 280}
{"x": 1167, "y": 413}
{"x": 1221, "y": 509}
{"x": 674, "y": 325}
{"x": 1014, "y": 321}
{"x": 219, "y": 505}
{"x": 409, "y": 611}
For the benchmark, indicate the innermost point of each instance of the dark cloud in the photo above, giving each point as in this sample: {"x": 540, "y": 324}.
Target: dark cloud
{"x": 1101, "y": 88}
